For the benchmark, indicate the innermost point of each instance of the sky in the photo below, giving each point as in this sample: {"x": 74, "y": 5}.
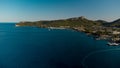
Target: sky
{"x": 35, "y": 10}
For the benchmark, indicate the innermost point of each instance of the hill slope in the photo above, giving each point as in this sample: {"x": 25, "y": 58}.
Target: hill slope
{"x": 71, "y": 22}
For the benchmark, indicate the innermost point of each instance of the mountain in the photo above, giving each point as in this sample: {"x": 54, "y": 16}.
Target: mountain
{"x": 115, "y": 23}
{"x": 71, "y": 22}
{"x": 102, "y": 21}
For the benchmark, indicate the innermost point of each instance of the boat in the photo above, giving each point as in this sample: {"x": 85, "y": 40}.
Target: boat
{"x": 112, "y": 44}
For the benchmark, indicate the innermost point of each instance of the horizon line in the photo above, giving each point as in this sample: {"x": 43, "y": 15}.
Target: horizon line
{"x": 55, "y": 19}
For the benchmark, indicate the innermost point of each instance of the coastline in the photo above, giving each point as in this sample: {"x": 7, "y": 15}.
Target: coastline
{"x": 95, "y": 36}
{"x": 100, "y": 31}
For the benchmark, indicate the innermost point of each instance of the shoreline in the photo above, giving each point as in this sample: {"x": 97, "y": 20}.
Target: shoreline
{"x": 99, "y": 31}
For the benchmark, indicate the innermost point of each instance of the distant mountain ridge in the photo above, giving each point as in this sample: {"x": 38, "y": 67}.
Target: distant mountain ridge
{"x": 116, "y": 23}
{"x": 102, "y": 21}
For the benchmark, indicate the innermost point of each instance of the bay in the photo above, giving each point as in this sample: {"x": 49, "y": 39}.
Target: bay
{"x": 32, "y": 47}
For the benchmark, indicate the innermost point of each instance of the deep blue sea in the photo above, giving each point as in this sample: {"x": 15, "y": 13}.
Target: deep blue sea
{"x": 32, "y": 47}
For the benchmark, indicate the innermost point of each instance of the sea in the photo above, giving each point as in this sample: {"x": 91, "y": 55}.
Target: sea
{"x": 34, "y": 47}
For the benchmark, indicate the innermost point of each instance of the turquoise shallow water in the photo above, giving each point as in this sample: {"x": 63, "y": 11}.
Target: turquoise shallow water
{"x": 31, "y": 47}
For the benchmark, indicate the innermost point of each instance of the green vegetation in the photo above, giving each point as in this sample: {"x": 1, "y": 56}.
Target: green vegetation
{"x": 71, "y": 22}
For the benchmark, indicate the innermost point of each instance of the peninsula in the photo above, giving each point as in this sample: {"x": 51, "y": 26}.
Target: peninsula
{"x": 99, "y": 29}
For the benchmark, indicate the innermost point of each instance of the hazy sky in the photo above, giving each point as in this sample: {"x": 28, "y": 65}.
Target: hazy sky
{"x": 34, "y": 10}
